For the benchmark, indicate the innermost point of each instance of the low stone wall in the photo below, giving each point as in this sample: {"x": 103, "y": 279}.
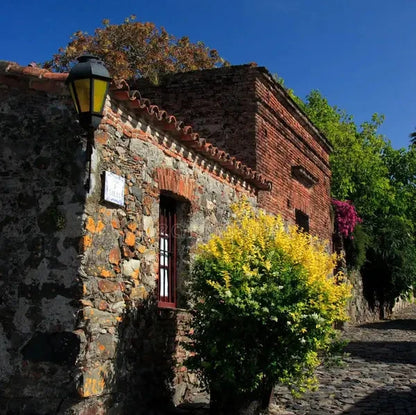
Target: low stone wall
{"x": 359, "y": 308}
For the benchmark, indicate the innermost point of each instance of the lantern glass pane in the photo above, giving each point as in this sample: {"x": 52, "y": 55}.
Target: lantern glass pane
{"x": 82, "y": 87}
{"x": 100, "y": 90}
{"x": 71, "y": 89}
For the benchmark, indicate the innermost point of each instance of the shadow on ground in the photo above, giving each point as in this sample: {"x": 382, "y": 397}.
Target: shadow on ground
{"x": 385, "y": 401}
{"x": 391, "y": 325}
{"x": 386, "y": 352}
{"x": 192, "y": 409}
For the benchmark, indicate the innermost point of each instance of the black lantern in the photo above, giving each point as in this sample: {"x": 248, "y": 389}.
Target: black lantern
{"x": 88, "y": 82}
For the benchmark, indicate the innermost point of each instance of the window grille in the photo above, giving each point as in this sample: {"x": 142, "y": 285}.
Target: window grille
{"x": 167, "y": 253}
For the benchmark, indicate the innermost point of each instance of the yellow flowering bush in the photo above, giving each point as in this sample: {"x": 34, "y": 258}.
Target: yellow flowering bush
{"x": 266, "y": 301}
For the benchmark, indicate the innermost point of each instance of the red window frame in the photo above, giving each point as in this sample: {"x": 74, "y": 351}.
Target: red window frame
{"x": 166, "y": 287}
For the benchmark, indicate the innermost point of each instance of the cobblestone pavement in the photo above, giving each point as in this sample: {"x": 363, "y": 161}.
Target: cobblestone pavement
{"x": 378, "y": 376}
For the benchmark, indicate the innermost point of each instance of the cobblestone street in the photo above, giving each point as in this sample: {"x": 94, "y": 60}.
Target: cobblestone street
{"x": 378, "y": 375}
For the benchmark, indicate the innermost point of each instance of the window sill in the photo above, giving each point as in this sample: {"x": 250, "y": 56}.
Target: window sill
{"x": 162, "y": 304}
{"x": 170, "y": 307}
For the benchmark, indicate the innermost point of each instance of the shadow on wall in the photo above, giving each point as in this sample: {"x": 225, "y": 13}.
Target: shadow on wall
{"x": 145, "y": 363}
{"x": 43, "y": 167}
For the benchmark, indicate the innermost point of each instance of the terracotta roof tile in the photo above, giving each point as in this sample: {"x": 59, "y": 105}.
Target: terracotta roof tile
{"x": 14, "y": 68}
{"x": 50, "y": 81}
{"x": 186, "y": 135}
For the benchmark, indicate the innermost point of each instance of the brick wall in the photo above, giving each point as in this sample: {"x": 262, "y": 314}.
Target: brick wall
{"x": 294, "y": 157}
{"x": 220, "y": 104}
{"x": 243, "y": 110}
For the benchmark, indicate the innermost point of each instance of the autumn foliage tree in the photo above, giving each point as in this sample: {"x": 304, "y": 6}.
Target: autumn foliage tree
{"x": 134, "y": 49}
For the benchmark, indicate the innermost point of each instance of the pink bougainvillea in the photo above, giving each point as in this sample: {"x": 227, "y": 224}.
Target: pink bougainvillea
{"x": 346, "y": 217}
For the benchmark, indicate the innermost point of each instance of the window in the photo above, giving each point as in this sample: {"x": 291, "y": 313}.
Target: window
{"x": 303, "y": 176}
{"x": 302, "y": 220}
{"x": 167, "y": 253}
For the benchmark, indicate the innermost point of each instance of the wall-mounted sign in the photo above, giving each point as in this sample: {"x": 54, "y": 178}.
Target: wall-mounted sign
{"x": 114, "y": 188}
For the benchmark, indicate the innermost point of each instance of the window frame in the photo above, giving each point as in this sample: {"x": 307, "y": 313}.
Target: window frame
{"x": 168, "y": 253}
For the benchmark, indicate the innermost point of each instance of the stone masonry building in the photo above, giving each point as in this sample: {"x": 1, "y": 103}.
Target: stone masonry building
{"x": 93, "y": 288}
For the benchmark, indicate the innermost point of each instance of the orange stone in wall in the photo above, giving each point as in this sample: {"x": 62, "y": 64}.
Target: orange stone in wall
{"x": 115, "y": 256}
{"x": 130, "y": 239}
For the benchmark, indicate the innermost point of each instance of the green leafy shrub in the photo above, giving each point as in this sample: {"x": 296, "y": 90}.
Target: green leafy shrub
{"x": 265, "y": 303}
{"x": 356, "y": 248}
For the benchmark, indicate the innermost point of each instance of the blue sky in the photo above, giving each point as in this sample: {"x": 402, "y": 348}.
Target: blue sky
{"x": 361, "y": 54}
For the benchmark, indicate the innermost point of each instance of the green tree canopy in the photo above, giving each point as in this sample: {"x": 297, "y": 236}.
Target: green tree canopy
{"x": 358, "y": 171}
{"x": 381, "y": 182}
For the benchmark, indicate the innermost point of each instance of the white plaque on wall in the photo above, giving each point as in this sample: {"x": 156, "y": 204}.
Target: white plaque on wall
{"x": 114, "y": 188}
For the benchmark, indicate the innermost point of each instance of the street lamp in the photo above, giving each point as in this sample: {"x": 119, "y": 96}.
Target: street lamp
{"x": 88, "y": 83}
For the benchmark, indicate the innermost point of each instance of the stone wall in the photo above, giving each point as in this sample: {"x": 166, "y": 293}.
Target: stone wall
{"x": 359, "y": 308}
{"x": 243, "y": 110}
{"x": 42, "y": 166}
{"x": 80, "y": 330}
{"x": 132, "y": 353}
